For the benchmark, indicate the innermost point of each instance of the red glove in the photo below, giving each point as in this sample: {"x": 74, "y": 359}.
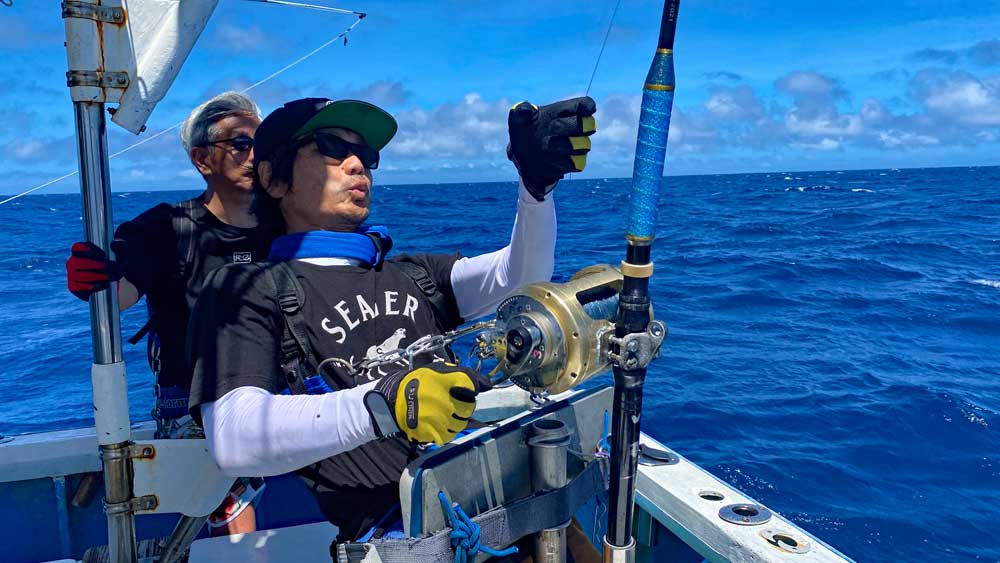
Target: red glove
{"x": 89, "y": 270}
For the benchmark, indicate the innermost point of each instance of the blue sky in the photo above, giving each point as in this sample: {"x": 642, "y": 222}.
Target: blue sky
{"x": 762, "y": 85}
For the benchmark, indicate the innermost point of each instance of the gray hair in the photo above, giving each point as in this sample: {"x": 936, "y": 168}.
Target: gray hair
{"x": 201, "y": 125}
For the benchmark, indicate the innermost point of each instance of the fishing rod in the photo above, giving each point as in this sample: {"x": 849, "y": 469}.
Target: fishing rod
{"x": 637, "y": 337}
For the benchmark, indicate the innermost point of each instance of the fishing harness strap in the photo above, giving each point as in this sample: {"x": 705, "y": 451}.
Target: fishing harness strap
{"x": 170, "y": 403}
{"x": 183, "y": 225}
{"x": 499, "y": 527}
{"x": 295, "y": 349}
{"x": 438, "y": 303}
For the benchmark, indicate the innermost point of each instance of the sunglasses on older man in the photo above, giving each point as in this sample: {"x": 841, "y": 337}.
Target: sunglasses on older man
{"x": 335, "y": 147}
{"x": 241, "y": 143}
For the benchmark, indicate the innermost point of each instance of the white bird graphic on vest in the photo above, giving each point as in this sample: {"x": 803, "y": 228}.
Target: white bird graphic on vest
{"x": 390, "y": 344}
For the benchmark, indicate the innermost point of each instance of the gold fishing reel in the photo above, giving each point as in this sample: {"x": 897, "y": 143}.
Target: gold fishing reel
{"x": 547, "y": 337}
{"x": 552, "y": 337}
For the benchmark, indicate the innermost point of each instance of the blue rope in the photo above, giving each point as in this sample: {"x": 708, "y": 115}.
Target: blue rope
{"x": 465, "y": 535}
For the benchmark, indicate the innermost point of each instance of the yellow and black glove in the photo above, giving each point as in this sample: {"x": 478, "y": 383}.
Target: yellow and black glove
{"x": 550, "y": 141}
{"x": 431, "y": 403}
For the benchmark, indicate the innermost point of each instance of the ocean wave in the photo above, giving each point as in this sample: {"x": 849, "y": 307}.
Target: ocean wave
{"x": 812, "y": 188}
{"x": 988, "y": 283}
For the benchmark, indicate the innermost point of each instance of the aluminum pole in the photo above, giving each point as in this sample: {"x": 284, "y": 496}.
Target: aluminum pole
{"x": 108, "y": 370}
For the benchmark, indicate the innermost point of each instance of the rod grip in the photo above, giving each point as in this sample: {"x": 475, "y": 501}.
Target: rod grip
{"x": 654, "y": 126}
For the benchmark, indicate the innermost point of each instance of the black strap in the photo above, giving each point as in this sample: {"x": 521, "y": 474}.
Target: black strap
{"x": 143, "y": 331}
{"x": 439, "y": 303}
{"x": 183, "y": 222}
{"x": 295, "y": 349}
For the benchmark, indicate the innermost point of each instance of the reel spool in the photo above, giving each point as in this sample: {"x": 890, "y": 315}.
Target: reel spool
{"x": 552, "y": 337}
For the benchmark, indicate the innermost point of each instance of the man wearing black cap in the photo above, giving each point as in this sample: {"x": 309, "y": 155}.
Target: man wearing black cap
{"x": 265, "y": 338}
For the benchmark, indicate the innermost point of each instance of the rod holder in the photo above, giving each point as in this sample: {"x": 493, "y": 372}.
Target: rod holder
{"x": 549, "y": 441}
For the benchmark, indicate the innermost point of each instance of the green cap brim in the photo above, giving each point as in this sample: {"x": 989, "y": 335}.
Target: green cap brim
{"x": 373, "y": 123}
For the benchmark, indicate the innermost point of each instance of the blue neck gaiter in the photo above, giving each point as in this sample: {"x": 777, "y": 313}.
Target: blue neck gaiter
{"x": 328, "y": 244}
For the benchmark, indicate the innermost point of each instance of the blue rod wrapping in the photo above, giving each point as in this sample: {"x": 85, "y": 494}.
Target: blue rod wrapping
{"x": 654, "y": 125}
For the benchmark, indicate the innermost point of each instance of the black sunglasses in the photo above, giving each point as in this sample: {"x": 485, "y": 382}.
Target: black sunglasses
{"x": 241, "y": 143}
{"x": 335, "y": 147}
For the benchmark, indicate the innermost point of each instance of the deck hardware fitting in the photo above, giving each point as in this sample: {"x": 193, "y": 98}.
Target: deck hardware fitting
{"x": 745, "y": 514}
{"x": 88, "y": 11}
{"x": 132, "y": 451}
{"x": 144, "y": 503}
{"x": 97, "y": 78}
{"x": 711, "y": 495}
{"x": 786, "y": 541}
{"x": 655, "y": 457}
{"x": 539, "y": 399}
{"x": 141, "y": 451}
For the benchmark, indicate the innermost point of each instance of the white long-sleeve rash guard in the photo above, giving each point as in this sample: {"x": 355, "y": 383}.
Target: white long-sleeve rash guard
{"x": 252, "y": 432}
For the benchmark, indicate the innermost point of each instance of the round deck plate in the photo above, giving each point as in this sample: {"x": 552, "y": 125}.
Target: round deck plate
{"x": 745, "y": 514}
{"x": 786, "y": 541}
{"x": 649, "y": 455}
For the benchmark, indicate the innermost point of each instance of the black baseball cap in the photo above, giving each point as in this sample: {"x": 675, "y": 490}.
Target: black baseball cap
{"x": 298, "y": 118}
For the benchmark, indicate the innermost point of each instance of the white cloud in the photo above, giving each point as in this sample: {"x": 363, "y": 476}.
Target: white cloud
{"x": 894, "y": 138}
{"x": 235, "y": 39}
{"x": 26, "y": 150}
{"x": 963, "y": 97}
{"x": 37, "y": 150}
{"x": 473, "y": 128}
{"x": 872, "y": 111}
{"x": 738, "y": 103}
{"x": 825, "y": 144}
{"x": 830, "y": 124}
{"x": 983, "y": 53}
{"x": 810, "y": 85}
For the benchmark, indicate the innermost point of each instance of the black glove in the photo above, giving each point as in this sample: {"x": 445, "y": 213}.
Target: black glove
{"x": 431, "y": 403}
{"x": 89, "y": 270}
{"x": 550, "y": 141}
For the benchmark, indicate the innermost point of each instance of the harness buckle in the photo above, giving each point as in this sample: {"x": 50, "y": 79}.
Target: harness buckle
{"x": 425, "y": 284}
{"x": 289, "y": 303}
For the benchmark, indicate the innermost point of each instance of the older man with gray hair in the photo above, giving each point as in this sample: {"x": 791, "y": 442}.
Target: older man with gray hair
{"x": 167, "y": 252}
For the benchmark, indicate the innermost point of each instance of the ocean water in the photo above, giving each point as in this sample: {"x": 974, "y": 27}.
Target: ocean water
{"x": 834, "y": 346}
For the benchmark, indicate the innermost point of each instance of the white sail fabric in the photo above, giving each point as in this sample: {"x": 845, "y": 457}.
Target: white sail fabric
{"x": 162, "y": 35}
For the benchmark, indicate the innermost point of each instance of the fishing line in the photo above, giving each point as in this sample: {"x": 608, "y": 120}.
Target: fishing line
{"x": 600, "y": 54}
{"x": 342, "y": 34}
{"x": 597, "y": 63}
